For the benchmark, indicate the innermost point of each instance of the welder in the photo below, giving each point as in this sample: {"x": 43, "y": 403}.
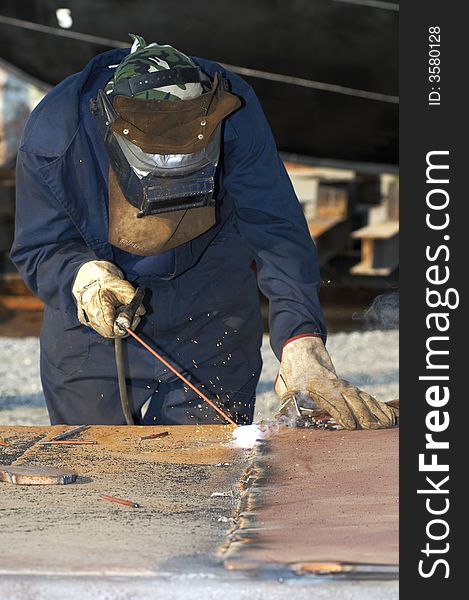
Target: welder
{"x": 153, "y": 169}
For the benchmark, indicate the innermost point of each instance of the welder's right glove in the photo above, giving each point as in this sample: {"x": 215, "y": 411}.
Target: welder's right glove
{"x": 308, "y": 381}
{"x": 99, "y": 289}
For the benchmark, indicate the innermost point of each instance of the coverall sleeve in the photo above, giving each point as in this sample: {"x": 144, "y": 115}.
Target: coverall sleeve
{"x": 271, "y": 221}
{"x": 47, "y": 249}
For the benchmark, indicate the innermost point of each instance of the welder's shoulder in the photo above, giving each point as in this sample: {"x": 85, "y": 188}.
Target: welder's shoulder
{"x": 54, "y": 122}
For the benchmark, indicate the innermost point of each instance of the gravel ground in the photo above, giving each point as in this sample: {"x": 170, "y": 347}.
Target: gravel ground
{"x": 368, "y": 359}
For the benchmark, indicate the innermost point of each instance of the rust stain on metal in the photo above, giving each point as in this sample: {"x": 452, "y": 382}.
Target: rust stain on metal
{"x": 184, "y": 444}
{"x": 188, "y": 444}
{"x": 318, "y": 501}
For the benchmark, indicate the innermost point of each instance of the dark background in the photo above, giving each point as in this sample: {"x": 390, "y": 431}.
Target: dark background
{"x": 339, "y": 42}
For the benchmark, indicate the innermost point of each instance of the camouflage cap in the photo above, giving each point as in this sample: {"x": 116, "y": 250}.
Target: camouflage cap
{"x": 145, "y": 58}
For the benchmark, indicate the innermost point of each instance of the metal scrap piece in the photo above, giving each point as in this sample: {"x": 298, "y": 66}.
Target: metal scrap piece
{"x": 34, "y": 475}
{"x": 154, "y": 436}
{"x": 67, "y": 434}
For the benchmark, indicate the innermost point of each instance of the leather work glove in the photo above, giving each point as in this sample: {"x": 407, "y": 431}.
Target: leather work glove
{"x": 99, "y": 289}
{"x": 307, "y": 382}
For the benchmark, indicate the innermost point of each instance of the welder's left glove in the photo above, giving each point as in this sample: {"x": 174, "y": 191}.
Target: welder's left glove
{"x": 307, "y": 379}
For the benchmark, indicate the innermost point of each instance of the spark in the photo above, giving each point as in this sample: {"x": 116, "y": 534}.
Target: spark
{"x": 246, "y": 436}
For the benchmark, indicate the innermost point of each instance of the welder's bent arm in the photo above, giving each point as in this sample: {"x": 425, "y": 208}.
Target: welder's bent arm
{"x": 270, "y": 219}
{"x": 47, "y": 249}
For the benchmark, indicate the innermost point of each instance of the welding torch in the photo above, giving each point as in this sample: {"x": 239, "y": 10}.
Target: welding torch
{"x": 124, "y": 318}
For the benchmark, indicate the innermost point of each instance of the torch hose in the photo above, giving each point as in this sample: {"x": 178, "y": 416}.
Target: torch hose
{"x": 122, "y": 383}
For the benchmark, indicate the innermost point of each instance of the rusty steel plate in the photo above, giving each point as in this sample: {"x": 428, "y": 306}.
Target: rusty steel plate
{"x": 185, "y": 484}
{"x": 320, "y": 501}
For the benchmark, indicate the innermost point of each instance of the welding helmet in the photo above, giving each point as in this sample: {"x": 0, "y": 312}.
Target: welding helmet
{"x": 160, "y": 119}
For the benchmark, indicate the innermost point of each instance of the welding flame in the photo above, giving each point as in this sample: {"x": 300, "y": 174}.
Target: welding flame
{"x": 246, "y": 436}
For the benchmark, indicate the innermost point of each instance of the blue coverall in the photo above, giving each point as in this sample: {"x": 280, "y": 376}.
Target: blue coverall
{"x": 202, "y": 302}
